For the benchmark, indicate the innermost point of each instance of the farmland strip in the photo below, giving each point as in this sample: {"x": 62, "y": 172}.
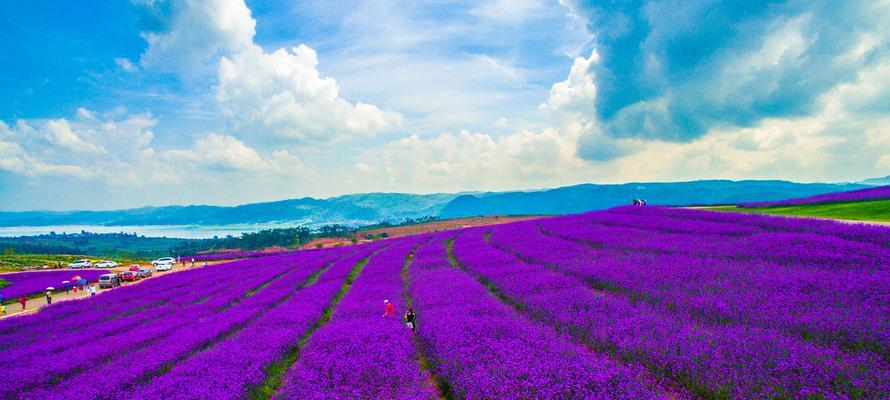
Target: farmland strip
{"x": 331, "y": 291}
{"x": 379, "y": 362}
{"x": 840, "y": 307}
{"x": 169, "y": 339}
{"x": 703, "y": 359}
{"x": 487, "y": 350}
{"x": 440, "y": 383}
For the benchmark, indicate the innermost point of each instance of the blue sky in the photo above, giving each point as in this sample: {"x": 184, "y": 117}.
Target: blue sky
{"x": 122, "y": 104}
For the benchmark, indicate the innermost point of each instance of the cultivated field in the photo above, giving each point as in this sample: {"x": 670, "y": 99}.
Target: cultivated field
{"x": 633, "y": 302}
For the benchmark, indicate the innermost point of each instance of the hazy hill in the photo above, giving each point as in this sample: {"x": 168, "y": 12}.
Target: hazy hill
{"x": 373, "y": 207}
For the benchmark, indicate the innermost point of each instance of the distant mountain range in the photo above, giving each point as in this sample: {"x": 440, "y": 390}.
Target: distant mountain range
{"x": 373, "y": 207}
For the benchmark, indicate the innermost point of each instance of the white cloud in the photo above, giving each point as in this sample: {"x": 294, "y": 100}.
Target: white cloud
{"x": 198, "y": 31}
{"x": 278, "y": 96}
{"x": 125, "y": 64}
{"x": 509, "y": 11}
{"x": 282, "y": 94}
{"x": 226, "y": 153}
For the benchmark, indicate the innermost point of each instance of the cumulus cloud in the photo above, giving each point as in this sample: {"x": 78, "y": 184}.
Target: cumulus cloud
{"x": 278, "y": 96}
{"x": 226, "y": 153}
{"x": 119, "y": 152}
{"x": 282, "y": 94}
{"x": 186, "y": 34}
{"x": 674, "y": 70}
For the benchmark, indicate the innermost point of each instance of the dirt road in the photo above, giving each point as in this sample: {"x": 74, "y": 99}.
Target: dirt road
{"x": 35, "y": 304}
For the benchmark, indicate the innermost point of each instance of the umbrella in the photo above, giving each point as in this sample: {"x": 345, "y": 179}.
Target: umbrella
{"x": 82, "y": 282}
{"x": 50, "y": 288}
{"x": 76, "y": 278}
{"x": 66, "y": 281}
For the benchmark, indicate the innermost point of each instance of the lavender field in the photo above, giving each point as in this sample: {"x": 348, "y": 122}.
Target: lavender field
{"x": 628, "y": 303}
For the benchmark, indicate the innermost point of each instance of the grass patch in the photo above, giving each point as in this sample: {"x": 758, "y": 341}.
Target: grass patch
{"x": 15, "y": 262}
{"x": 4, "y": 283}
{"x": 872, "y": 210}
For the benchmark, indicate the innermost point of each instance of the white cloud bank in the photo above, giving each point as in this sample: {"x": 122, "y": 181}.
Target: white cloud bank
{"x": 275, "y": 96}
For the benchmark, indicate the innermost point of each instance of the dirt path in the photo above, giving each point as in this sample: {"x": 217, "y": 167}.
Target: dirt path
{"x": 35, "y": 304}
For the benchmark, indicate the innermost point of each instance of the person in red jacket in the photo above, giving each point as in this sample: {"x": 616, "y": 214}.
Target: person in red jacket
{"x": 23, "y": 300}
{"x": 389, "y": 310}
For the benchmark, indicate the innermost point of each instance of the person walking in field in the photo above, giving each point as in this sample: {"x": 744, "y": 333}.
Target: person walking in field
{"x": 3, "y": 307}
{"x": 389, "y": 310}
{"x": 49, "y": 297}
{"x": 92, "y": 290}
{"x": 23, "y": 300}
{"x": 410, "y": 319}
{"x": 192, "y": 265}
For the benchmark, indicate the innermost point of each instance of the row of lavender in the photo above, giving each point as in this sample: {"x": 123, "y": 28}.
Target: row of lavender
{"x": 483, "y": 348}
{"x": 28, "y": 283}
{"x": 710, "y": 360}
{"x": 817, "y": 285}
{"x": 629, "y": 303}
{"x": 881, "y": 192}
{"x": 133, "y": 332}
{"x": 359, "y": 354}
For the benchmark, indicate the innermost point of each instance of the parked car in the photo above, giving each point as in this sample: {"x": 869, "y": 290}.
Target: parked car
{"x": 109, "y": 281}
{"x": 79, "y": 264}
{"x": 144, "y": 272}
{"x": 163, "y": 260}
{"x": 164, "y": 267}
{"x": 106, "y": 264}
{"x": 130, "y": 276}
{"x": 134, "y": 267}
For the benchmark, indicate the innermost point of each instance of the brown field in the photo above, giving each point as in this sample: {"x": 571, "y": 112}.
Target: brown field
{"x": 435, "y": 226}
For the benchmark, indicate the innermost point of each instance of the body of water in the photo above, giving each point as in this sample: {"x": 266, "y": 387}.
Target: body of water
{"x": 170, "y": 231}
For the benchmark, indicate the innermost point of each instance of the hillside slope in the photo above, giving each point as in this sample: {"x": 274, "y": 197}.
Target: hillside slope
{"x": 580, "y": 198}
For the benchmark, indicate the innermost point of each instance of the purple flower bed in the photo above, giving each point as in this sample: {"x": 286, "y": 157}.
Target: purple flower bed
{"x": 712, "y": 360}
{"x": 239, "y": 360}
{"x": 632, "y": 302}
{"x": 484, "y": 349}
{"x": 28, "y": 283}
{"x": 234, "y": 255}
{"x": 359, "y": 354}
{"x": 882, "y": 192}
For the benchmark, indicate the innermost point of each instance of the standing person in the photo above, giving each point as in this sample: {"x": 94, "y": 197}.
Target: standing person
{"x": 23, "y": 300}
{"x": 205, "y": 263}
{"x": 410, "y": 318}
{"x": 389, "y": 310}
{"x": 92, "y": 290}
{"x": 192, "y": 265}
{"x": 49, "y": 297}
{"x": 3, "y": 307}
{"x": 67, "y": 287}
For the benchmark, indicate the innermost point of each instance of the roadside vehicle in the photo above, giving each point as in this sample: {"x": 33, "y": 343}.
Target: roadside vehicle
{"x": 134, "y": 267}
{"x": 79, "y": 264}
{"x": 130, "y": 276}
{"x": 144, "y": 272}
{"x": 109, "y": 281}
{"x": 163, "y": 260}
{"x": 106, "y": 264}
{"x": 164, "y": 267}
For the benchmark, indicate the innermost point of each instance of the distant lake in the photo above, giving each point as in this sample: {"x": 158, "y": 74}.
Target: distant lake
{"x": 170, "y": 231}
